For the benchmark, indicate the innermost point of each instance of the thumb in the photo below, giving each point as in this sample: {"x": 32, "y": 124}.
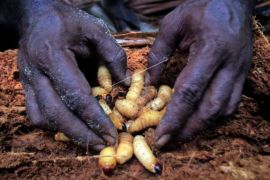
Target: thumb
{"x": 165, "y": 44}
{"x": 107, "y": 48}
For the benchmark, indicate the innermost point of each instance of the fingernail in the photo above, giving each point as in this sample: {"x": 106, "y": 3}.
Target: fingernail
{"x": 147, "y": 79}
{"x": 109, "y": 139}
{"x": 160, "y": 142}
{"x": 99, "y": 147}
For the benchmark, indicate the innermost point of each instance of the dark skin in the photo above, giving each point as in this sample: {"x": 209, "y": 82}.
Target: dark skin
{"x": 218, "y": 36}
{"x": 53, "y": 37}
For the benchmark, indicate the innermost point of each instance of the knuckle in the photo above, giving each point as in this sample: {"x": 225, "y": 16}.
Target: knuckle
{"x": 119, "y": 56}
{"x": 227, "y": 41}
{"x": 75, "y": 101}
{"x": 52, "y": 116}
{"x": 218, "y": 45}
{"x": 39, "y": 52}
{"x": 221, "y": 45}
{"x": 84, "y": 105}
{"x": 80, "y": 140}
{"x": 190, "y": 95}
{"x": 211, "y": 112}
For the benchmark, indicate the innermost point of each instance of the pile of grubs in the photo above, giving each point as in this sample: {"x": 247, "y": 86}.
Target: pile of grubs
{"x": 140, "y": 108}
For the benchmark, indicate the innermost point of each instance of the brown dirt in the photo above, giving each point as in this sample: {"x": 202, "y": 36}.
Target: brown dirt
{"x": 238, "y": 149}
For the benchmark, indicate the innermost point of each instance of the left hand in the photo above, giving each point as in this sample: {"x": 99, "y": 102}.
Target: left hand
{"x": 58, "y": 51}
{"x": 218, "y": 35}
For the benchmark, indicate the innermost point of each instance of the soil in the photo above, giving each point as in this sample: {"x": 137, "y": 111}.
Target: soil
{"x": 238, "y": 148}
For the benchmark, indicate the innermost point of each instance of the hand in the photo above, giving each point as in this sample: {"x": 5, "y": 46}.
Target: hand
{"x": 58, "y": 97}
{"x": 218, "y": 36}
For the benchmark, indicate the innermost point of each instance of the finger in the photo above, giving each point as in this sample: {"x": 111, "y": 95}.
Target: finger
{"x": 60, "y": 118}
{"x": 238, "y": 88}
{"x": 31, "y": 104}
{"x": 166, "y": 42}
{"x": 32, "y": 108}
{"x": 107, "y": 48}
{"x": 244, "y": 66}
{"x": 212, "y": 105}
{"x": 235, "y": 96}
{"x": 204, "y": 60}
{"x": 74, "y": 90}
{"x": 227, "y": 88}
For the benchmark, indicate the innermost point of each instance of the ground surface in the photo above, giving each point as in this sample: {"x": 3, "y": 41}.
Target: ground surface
{"x": 237, "y": 149}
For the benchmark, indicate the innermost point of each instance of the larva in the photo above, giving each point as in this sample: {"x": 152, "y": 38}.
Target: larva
{"x": 147, "y": 119}
{"x": 125, "y": 148}
{"x": 107, "y": 159}
{"x": 115, "y": 118}
{"x": 163, "y": 97}
{"x": 137, "y": 83}
{"x": 117, "y": 122}
{"x": 147, "y": 94}
{"x": 144, "y": 154}
{"x": 104, "y": 78}
{"x": 128, "y": 123}
{"x": 120, "y": 118}
{"x": 106, "y": 108}
{"x": 98, "y": 91}
{"x": 61, "y": 137}
{"x": 127, "y": 108}
{"x": 118, "y": 114}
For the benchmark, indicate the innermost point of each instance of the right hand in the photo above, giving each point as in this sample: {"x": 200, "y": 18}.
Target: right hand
{"x": 57, "y": 93}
